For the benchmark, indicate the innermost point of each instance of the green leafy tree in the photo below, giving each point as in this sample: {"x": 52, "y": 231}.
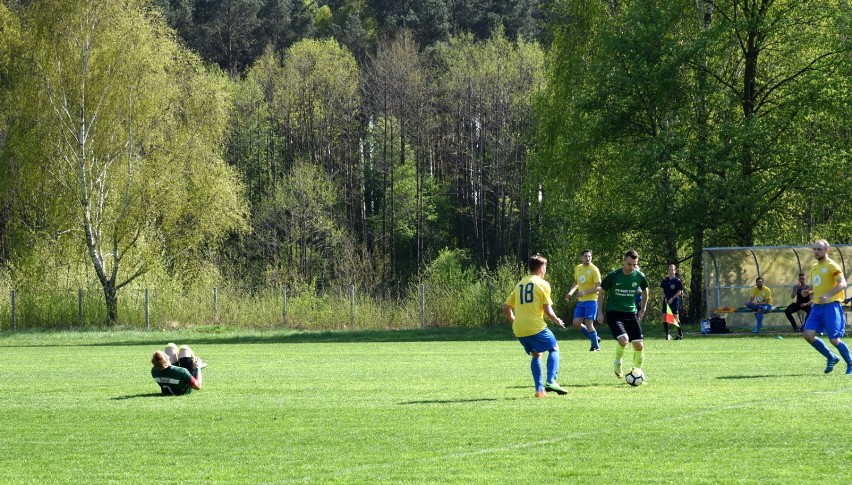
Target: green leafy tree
{"x": 124, "y": 143}
{"x": 776, "y": 65}
{"x": 399, "y": 98}
{"x": 10, "y": 49}
{"x": 317, "y": 107}
{"x": 486, "y": 123}
{"x": 299, "y": 236}
{"x": 283, "y": 23}
{"x": 480, "y": 17}
{"x": 428, "y": 21}
{"x": 699, "y": 109}
{"x": 228, "y": 32}
{"x": 252, "y": 142}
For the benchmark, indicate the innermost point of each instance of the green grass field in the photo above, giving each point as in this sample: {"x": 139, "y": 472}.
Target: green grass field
{"x": 418, "y": 406}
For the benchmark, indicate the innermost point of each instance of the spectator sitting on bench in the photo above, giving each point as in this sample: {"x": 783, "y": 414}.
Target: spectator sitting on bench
{"x": 802, "y": 303}
{"x": 760, "y": 302}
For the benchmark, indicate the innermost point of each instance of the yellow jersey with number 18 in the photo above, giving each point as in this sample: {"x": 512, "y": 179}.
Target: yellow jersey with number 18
{"x": 824, "y": 276}
{"x": 528, "y": 299}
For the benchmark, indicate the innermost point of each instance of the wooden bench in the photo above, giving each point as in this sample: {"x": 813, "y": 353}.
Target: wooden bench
{"x": 745, "y": 309}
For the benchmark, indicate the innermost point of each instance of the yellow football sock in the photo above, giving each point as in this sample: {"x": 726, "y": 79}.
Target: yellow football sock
{"x": 638, "y": 357}
{"x": 619, "y": 352}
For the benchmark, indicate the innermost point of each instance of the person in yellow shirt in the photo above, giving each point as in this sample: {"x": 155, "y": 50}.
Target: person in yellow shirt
{"x": 525, "y": 308}
{"x": 587, "y": 284}
{"x": 827, "y": 284}
{"x": 760, "y": 302}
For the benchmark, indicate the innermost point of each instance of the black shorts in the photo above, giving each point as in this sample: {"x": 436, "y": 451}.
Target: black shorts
{"x": 674, "y": 305}
{"x": 189, "y": 364}
{"x": 624, "y": 323}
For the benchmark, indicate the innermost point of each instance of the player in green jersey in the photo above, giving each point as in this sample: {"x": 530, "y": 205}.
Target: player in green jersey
{"x": 619, "y": 292}
{"x": 176, "y": 371}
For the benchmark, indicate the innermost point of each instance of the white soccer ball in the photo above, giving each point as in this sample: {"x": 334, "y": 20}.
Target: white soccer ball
{"x": 635, "y": 377}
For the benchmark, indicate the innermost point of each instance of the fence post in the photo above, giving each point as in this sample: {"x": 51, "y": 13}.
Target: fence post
{"x": 14, "y": 314}
{"x": 215, "y": 303}
{"x": 422, "y": 305}
{"x": 147, "y": 310}
{"x": 491, "y": 307}
{"x": 284, "y": 311}
{"x": 351, "y": 306}
{"x": 80, "y": 306}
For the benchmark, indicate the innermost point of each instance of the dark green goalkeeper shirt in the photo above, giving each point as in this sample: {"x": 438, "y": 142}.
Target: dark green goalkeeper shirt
{"x": 173, "y": 380}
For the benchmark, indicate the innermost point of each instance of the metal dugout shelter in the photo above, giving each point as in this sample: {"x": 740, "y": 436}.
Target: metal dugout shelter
{"x": 729, "y": 275}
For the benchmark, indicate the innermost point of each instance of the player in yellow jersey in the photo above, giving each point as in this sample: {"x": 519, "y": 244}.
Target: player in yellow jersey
{"x": 760, "y": 302}
{"x": 827, "y": 283}
{"x": 587, "y": 284}
{"x": 525, "y": 307}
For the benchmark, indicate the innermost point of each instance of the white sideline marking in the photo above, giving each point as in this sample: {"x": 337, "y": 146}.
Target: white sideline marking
{"x": 548, "y": 441}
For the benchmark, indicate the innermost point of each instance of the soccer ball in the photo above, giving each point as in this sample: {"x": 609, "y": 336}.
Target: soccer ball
{"x": 635, "y": 377}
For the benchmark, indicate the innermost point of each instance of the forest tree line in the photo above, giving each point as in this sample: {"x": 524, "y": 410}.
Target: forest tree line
{"x": 282, "y": 142}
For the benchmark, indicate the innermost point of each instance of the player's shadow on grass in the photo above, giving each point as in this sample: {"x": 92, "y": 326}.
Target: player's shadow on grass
{"x": 761, "y": 376}
{"x": 457, "y": 401}
{"x": 134, "y": 396}
{"x": 574, "y": 386}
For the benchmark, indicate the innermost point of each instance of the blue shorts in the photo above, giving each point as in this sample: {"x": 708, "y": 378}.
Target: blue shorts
{"x": 760, "y": 307}
{"x": 543, "y": 341}
{"x": 827, "y": 318}
{"x": 586, "y": 309}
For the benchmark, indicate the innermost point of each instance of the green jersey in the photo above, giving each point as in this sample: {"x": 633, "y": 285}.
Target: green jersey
{"x": 173, "y": 380}
{"x": 621, "y": 290}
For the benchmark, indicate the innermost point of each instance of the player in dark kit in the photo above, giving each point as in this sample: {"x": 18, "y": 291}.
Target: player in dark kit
{"x": 176, "y": 380}
{"x": 803, "y": 303}
{"x": 619, "y": 292}
{"x": 672, "y": 291}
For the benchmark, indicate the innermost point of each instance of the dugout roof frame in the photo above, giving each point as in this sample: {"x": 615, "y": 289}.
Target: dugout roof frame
{"x": 729, "y": 272}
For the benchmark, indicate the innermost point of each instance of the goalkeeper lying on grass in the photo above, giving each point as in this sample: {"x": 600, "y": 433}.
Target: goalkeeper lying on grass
{"x": 177, "y": 371}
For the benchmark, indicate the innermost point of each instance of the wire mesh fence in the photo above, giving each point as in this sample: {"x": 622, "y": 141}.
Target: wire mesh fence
{"x": 331, "y": 308}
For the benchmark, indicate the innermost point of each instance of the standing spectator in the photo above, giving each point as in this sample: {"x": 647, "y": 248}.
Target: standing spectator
{"x": 531, "y": 300}
{"x": 619, "y": 294}
{"x": 587, "y": 280}
{"x": 801, "y": 304}
{"x": 827, "y": 282}
{"x": 672, "y": 292}
{"x": 760, "y": 302}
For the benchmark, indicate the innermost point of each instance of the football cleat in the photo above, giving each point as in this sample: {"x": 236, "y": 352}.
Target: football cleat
{"x": 594, "y": 349}
{"x": 849, "y": 369}
{"x": 552, "y": 386}
{"x": 832, "y": 361}
{"x": 540, "y": 394}
{"x": 619, "y": 372}
{"x": 679, "y": 337}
